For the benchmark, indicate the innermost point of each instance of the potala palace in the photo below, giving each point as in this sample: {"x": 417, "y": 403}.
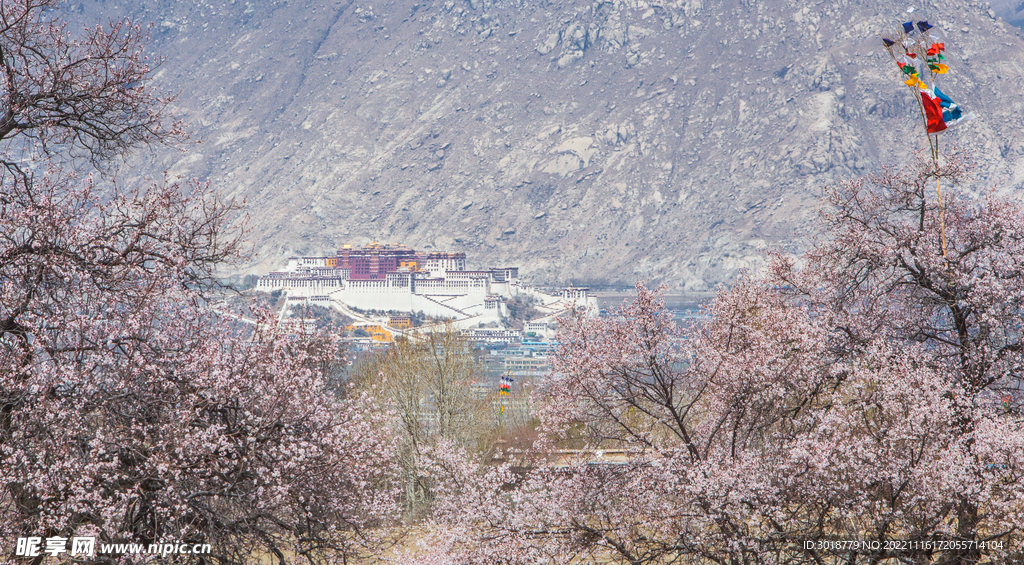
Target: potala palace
{"x": 390, "y": 277}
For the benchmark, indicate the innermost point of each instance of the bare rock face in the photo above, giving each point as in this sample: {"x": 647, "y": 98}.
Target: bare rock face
{"x": 597, "y": 141}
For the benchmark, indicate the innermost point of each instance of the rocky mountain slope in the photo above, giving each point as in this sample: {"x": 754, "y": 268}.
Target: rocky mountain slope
{"x": 596, "y": 142}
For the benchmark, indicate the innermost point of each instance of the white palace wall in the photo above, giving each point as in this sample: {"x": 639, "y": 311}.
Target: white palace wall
{"x": 468, "y": 296}
{"x": 435, "y": 299}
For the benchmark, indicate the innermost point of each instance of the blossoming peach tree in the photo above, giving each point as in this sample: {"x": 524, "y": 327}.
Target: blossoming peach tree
{"x": 130, "y": 411}
{"x": 857, "y": 404}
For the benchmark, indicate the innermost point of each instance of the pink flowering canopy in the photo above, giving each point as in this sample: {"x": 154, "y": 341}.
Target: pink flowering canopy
{"x": 130, "y": 409}
{"x": 867, "y": 391}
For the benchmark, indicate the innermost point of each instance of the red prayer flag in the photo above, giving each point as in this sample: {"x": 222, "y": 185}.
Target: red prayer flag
{"x": 933, "y": 112}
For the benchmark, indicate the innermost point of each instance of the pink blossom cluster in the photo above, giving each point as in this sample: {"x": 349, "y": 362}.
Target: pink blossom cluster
{"x": 130, "y": 409}
{"x": 866, "y": 390}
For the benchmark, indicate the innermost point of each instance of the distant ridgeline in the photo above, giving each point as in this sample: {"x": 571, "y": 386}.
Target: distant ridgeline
{"x": 394, "y": 277}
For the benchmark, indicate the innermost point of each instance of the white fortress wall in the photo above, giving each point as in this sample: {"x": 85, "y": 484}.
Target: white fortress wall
{"x": 449, "y": 291}
{"x": 300, "y": 285}
{"x": 451, "y": 287}
{"x": 456, "y": 297}
{"x": 437, "y": 309}
{"x": 297, "y": 263}
{"x": 375, "y": 295}
{"x": 483, "y": 315}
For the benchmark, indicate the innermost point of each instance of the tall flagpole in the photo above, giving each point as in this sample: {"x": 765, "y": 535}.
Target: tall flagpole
{"x": 938, "y": 189}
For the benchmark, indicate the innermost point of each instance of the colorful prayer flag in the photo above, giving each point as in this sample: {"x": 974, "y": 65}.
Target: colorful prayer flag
{"x": 506, "y": 386}
{"x": 933, "y": 113}
{"x": 941, "y": 112}
{"x": 919, "y": 53}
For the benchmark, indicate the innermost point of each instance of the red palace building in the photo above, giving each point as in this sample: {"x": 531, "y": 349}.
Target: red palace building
{"x": 376, "y": 260}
